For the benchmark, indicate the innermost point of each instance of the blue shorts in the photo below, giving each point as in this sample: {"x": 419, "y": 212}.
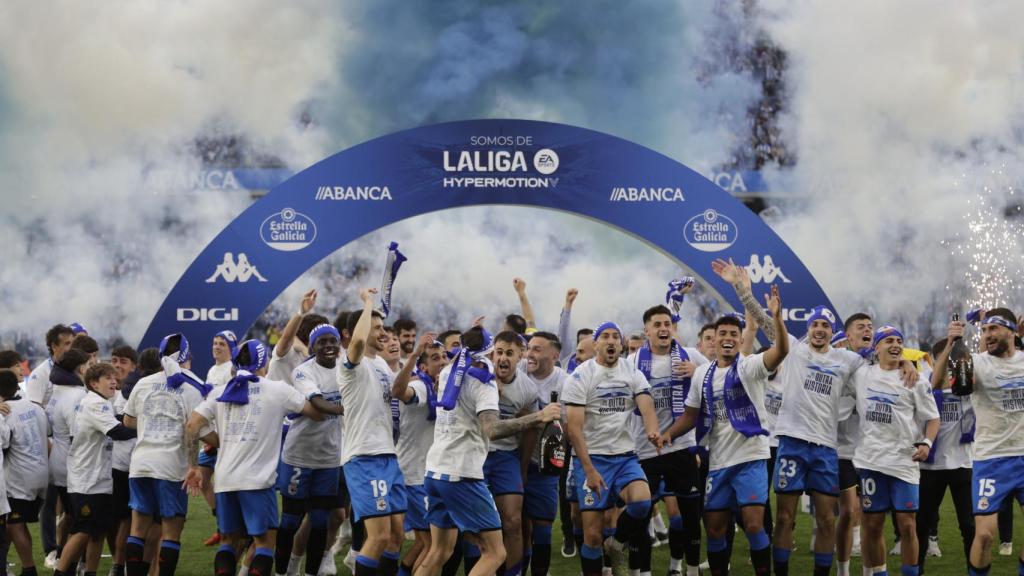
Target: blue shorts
{"x": 153, "y": 497}
{"x": 570, "y": 484}
{"x": 207, "y": 458}
{"x": 252, "y": 512}
{"x": 741, "y": 485}
{"x": 416, "y": 511}
{"x": 304, "y": 483}
{"x": 996, "y": 479}
{"x": 880, "y": 492}
{"x": 801, "y": 466}
{"x": 540, "y": 498}
{"x": 617, "y": 472}
{"x": 371, "y": 481}
{"x": 502, "y": 472}
{"x": 465, "y": 504}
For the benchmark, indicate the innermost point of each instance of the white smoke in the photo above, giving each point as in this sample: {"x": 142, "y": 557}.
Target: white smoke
{"x": 899, "y": 113}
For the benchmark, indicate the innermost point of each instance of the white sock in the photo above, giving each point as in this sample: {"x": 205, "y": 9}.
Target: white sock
{"x": 634, "y": 572}
{"x": 868, "y": 571}
{"x": 243, "y": 570}
{"x": 675, "y": 564}
{"x": 856, "y": 537}
{"x": 692, "y": 570}
{"x": 648, "y": 573}
{"x": 844, "y": 568}
{"x": 878, "y": 569}
{"x": 659, "y": 523}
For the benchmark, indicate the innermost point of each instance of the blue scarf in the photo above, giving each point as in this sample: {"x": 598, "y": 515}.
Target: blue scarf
{"x": 394, "y": 262}
{"x": 679, "y": 387}
{"x": 462, "y": 366}
{"x": 572, "y": 364}
{"x": 237, "y": 389}
{"x": 675, "y": 295}
{"x": 174, "y": 381}
{"x": 967, "y": 424}
{"x": 741, "y": 411}
{"x": 431, "y": 399}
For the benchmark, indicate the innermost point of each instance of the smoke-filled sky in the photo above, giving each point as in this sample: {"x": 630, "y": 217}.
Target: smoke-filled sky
{"x": 895, "y": 113}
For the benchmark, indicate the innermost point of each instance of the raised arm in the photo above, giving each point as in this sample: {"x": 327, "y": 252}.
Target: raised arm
{"x": 284, "y": 344}
{"x": 738, "y": 278}
{"x": 749, "y": 336}
{"x": 400, "y": 387}
{"x": 495, "y": 428}
{"x": 520, "y": 285}
{"x": 361, "y": 331}
{"x": 780, "y": 346}
{"x": 956, "y": 330}
{"x": 565, "y": 328}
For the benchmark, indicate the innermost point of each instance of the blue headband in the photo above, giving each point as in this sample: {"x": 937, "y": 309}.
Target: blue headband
{"x": 183, "y": 352}
{"x": 485, "y": 347}
{"x": 77, "y": 329}
{"x": 605, "y": 326}
{"x": 738, "y": 316}
{"x": 257, "y": 355}
{"x": 883, "y": 333}
{"x": 322, "y": 330}
{"x": 822, "y": 313}
{"x": 999, "y": 321}
{"x": 838, "y": 337}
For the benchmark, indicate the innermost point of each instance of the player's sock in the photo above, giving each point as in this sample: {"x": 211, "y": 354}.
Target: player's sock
{"x": 760, "y": 552}
{"x": 224, "y": 563}
{"x": 718, "y": 556}
{"x": 632, "y": 520}
{"x": 115, "y": 570}
{"x": 689, "y": 508}
{"x": 591, "y": 558}
{"x": 527, "y": 556}
{"x": 366, "y": 566}
{"x": 262, "y": 563}
{"x": 909, "y": 570}
{"x": 577, "y": 537}
{"x": 451, "y": 566}
{"x": 168, "y": 559}
{"x": 316, "y": 544}
{"x": 676, "y": 540}
{"x": 540, "y": 561}
{"x": 781, "y": 557}
{"x": 358, "y": 535}
{"x": 388, "y": 564}
{"x": 133, "y": 551}
{"x": 1020, "y": 567}
{"x": 843, "y": 568}
{"x": 470, "y": 556}
{"x": 404, "y": 570}
{"x": 972, "y": 571}
{"x": 286, "y": 537}
{"x": 822, "y": 563}
{"x": 30, "y": 571}
{"x": 606, "y": 533}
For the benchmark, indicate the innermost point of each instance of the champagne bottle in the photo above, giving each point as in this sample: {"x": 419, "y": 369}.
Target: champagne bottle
{"x": 552, "y": 450}
{"x": 960, "y": 366}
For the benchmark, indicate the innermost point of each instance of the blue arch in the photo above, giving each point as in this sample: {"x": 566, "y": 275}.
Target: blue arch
{"x": 467, "y": 163}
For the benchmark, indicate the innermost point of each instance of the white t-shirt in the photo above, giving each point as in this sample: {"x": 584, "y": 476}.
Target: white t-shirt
{"x": 122, "y": 453}
{"x": 517, "y": 396}
{"x": 773, "y": 394}
{"x": 161, "y": 413}
{"x": 5, "y": 437}
{"x": 250, "y": 434}
{"x": 38, "y": 387}
{"x": 417, "y": 434}
{"x": 312, "y": 444}
{"x": 90, "y": 459}
{"x": 554, "y": 382}
{"x": 661, "y": 392}
{"x": 61, "y": 412}
{"x": 609, "y": 396}
{"x": 890, "y": 414}
{"x": 950, "y": 454}
{"x": 219, "y": 374}
{"x": 460, "y": 446}
{"x": 999, "y": 404}
{"x": 366, "y": 395}
{"x": 727, "y": 446}
{"x": 281, "y": 368}
{"x": 812, "y": 384}
{"x": 26, "y": 465}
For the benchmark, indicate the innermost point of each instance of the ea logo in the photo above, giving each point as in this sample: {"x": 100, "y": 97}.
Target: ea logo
{"x": 545, "y": 161}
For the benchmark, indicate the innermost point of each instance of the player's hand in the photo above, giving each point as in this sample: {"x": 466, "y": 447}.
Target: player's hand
{"x": 307, "y": 302}
{"x": 551, "y": 412}
{"x": 921, "y": 452}
{"x": 730, "y": 272}
{"x": 519, "y": 284}
{"x": 366, "y": 295}
{"x": 193, "y": 483}
{"x": 683, "y": 369}
{"x": 696, "y": 458}
{"x": 956, "y": 329}
{"x": 570, "y": 297}
{"x": 773, "y": 301}
{"x": 666, "y": 439}
{"x": 4, "y": 408}
{"x": 425, "y": 340}
{"x": 595, "y": 482}
{"x": 478, "y": 321}
{"x": 657, "y": 440}
{"x": 908, "y": 374}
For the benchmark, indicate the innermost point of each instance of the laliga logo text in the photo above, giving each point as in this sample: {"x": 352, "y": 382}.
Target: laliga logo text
{"x": 230, "y": 271}
{"x": 505, "y": 163}
{"x": 764, "y": 270}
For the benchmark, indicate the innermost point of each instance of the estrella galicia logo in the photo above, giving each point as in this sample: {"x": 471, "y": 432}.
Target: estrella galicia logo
{"x": 288, "y": 230}
{"x": 710, "y": 231}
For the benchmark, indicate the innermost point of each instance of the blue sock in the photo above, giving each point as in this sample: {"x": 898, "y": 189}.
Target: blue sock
{"x": 368, "y": 562}
{"x": 470, "y": 550}
{"x": 514, "y": 570}
{"x": 972, "y": 571}
{"x": 717, "y": 544}
{"x": 758, "y": 540}
{"x": 392, "y": 555}
{"x": 134, "y": 540}
{"x": 675, "y": 522}
{"x": 638, "y": 509}
{"x": 908, "y": 570}
{"x": 1020, "y": 567}
{"x": 608, "y": 532}
{"x": 542, "y": 535}
{"x": 403, "y": 571}
{"x": 591, "y": 553}
{"x": 823, "y": 559}
{"x": 227, "y": 548}
{"x": 781, "y": 555}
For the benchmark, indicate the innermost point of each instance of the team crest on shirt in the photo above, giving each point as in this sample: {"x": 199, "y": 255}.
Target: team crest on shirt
{"x": 982, "y": 503}
{"x": 382, "y": 504}
{"x": 86, "y": 510}
{"x": 867, "y": 502}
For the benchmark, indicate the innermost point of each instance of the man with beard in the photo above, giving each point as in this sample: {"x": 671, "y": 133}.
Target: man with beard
{"x": 668, "y": 366}
{"x": 308, "y": 474}
{"x": 999, "y": 438}
{"x": 600, "y": 398}
{"x": 541, "y": 500}
{"x": 405, "y": 329}
{"x": 416, "y": 434}
{"x": 505, "y": 465}
{"x": 38, "y": 387}
{"x": 727, "y": 404}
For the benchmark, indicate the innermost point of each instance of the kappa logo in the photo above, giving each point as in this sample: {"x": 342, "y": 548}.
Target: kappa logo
{"x": 231, "y": 270}
{"x": 763, "y": 269}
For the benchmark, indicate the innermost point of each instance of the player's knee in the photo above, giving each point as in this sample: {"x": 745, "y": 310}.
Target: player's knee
{"x": 512, "y": 525}
{"x": 984, "y": 536}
